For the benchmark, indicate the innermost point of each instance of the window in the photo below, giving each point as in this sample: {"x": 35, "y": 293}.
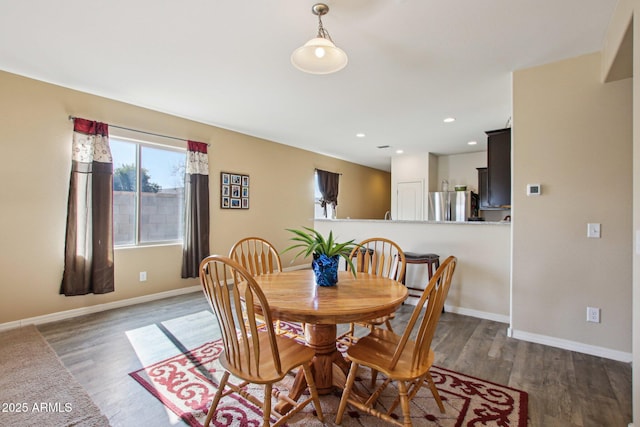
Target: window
{"x": 148, "y": 193}
{"x": 319, "y": 211}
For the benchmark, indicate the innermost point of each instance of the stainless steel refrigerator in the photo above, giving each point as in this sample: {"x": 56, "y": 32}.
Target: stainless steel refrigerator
{"x": 452, "y": 206}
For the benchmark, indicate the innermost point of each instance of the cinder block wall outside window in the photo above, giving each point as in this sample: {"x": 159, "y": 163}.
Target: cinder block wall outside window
{"x": 162, "y": 216}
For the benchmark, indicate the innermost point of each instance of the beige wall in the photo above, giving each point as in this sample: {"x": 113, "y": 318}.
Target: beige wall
{"x": 620, "y": 58}
{"x": 35, "y": 143}
{"x": 573, "y": 135}
{"x": 461, "y": 169}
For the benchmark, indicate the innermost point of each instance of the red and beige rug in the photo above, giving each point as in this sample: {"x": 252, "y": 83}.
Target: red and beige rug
{"x": 186, "y": 384}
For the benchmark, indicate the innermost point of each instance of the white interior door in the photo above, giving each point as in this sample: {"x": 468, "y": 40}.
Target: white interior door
{"x": 410, "y": 200}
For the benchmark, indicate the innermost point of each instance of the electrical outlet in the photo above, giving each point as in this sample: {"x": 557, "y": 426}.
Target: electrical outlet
{"x": 143, "y": 276}
{"x": 593, "y": 314}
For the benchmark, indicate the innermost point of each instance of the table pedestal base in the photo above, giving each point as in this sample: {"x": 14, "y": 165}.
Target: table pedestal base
{"x": 329, "y": 367}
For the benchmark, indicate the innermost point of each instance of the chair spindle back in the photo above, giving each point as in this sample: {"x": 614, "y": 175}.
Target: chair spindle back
{"x": 236, "y": 299}
{"x": 426, "y": 314}
{"x": 256, "y": 255}
{"x": 380, "y": 257}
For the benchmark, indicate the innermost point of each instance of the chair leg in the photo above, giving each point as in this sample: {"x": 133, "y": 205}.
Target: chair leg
{"x": 374, "y": 377}
{"x": 352, "y": 331}
{"x": 388, "y": 325}
{"x": 434, "y": 391}
{"x": 404, "y": 403}
{"x": 347, "y": 390}
{"x": 314, "y": 392}
{"x": 266, "y": 407}
{"x": 347, "y": 338}
{"x": 216, "y": 398}
{"x": 412, "y": 390}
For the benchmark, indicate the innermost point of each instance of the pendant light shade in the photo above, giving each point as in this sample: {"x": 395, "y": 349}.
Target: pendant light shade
{"x": 319, "y": 55}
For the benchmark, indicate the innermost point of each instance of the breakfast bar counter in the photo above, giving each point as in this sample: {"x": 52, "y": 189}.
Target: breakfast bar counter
{"x": 481, "y": 285}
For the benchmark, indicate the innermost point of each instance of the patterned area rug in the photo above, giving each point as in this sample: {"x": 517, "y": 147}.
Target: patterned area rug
{"x": 186, "y": 384}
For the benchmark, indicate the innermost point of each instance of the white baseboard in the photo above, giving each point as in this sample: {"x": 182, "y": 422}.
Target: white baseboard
{"x": 502, "y": 318}
{"x": 61, "y": 315}
{"x": 607, "y": 353}
{"x": 467, "y": 312}
{"x": 593, "y": 350}
{"x": 67, "y": 314}
{"x": 522, "y": 335}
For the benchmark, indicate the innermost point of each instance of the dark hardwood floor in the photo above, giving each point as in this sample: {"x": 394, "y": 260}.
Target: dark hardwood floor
{"x": 565, "y": 388}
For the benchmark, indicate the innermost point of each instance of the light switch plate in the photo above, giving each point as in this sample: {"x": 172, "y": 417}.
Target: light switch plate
{"x": 593, "y": 230}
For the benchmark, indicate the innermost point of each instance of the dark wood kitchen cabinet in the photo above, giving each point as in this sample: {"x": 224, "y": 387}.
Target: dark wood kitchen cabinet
{"x": 494, "y": 181}
{"x": 483, "y": 189}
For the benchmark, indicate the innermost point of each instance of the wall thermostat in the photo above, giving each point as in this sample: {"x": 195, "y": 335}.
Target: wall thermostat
{"x": 534, "y": 189}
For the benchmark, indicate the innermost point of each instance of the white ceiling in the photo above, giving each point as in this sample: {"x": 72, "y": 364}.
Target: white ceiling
{"x": 227, "y": 63}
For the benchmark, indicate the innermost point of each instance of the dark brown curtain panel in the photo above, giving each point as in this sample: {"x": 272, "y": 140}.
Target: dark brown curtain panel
{"x": 196, "y": 235}
{"x": 88, "y": 260}
{"x": 328, "y": 186}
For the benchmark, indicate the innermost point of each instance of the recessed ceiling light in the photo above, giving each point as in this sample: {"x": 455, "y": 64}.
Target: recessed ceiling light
{"x": 399, "y": 151}
{"x": 360, "y": 135}
{"x": 472, "y": 142}
{"x": 449, "y": 120}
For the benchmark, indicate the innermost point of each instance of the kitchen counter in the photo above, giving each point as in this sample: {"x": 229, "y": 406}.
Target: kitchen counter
{"x": 417, "y": 222}
{"x": 482, "y": 280}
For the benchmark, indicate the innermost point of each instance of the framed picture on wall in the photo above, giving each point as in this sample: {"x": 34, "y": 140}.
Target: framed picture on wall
{"x": 234, "y": 190}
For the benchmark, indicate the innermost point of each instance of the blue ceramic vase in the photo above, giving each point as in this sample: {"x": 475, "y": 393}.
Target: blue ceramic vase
{"x": 325, "y": 269}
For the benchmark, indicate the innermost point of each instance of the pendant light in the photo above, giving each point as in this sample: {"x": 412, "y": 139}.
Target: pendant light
{"x": 319, "y": 55}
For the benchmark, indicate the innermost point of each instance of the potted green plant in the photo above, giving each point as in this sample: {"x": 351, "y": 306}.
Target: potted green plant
{"x": 326, "y": 253}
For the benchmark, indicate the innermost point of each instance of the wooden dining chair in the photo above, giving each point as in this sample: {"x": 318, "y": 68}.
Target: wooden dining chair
{"x": 259, "y": 257}
{"x": 380, "y": 257}
{"x": 405, "y": 359}
{"x": 253, "y": 352}
{"x": 256, "y": 255}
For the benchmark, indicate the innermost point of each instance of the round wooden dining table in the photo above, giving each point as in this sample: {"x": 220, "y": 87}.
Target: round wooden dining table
{"x": 294, "y": 296}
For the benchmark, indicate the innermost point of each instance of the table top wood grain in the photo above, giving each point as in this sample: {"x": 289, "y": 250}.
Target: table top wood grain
{"x": 294, "y": 296}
